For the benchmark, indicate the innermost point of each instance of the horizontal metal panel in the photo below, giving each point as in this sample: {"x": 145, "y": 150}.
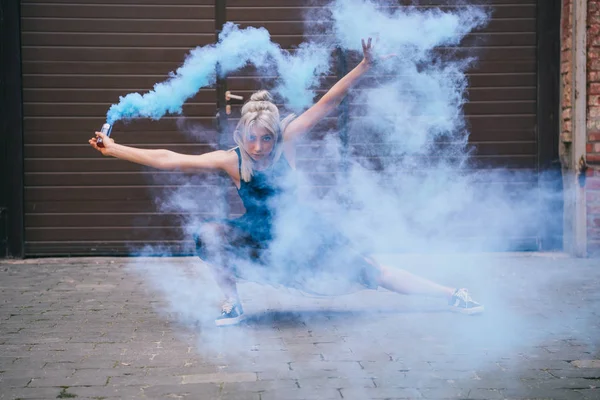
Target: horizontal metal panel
{"x": 492, "y": 134}
{"x": 481, "y": 53}
{"x": 246, "y": 85}
{"x": 501, "y": 80}
{"x": 128, "y": 2}
{"x": 250, "y": 13}
{"x": 241, "y": 83}
{"x": 501, "y": 94}
{"x": 292, "y": 3}
{"x": 84, "y": 149}
{"x": 101, "y": 95}
{"x": 498, "y": 122}
{"x": 524, "y": 25}
{"x": 115, "y": 39}
{"x": 501, "y": 122}
{"x": 110, "y": 219}
{"x": 90, "y": 161}
{"x": 204, "y": 181}
{"x": 97, "y": 249}
{"x": 158, "y": 26}
{"x": 159, "y": 68}
{"x": 132, "y": 138}
{"x": 106, "y": 54}
{"x": 142, "y": 178}
{"x": 118, "y": 39}
{"x": 478, "y": 149}
{"x": 500, "y": 108}
{"x": 110, "y": 96}
{"x": 95, "y": 163}
{"x": 489, "y": 94}
{"x": 93, "y": 110}
{"x": 476, "y": 162}
{"x": 517, "y": 162}
{"x": 105, "y": 234}
{"x": 329, "y": 122}
{"x": 526, "y": 66}
{"x": 472, "y": 108}
{"x": 275, "y": 3}
{"x": 488, "y": 134}
{"x": 149, "y": 178}
{"x": 480, "y": 66}
{"x": 79, "y": 193}
{"x": 93, "y": 81}
{"x": 92, "y": 206}
{"x": 89, "y": 124}
{"x": 118, "y": 11}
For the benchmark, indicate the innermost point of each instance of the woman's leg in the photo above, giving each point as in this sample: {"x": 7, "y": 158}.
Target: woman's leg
{"x": 404, "y": 282}
{"x": 225, "y": 280}
{"x": 211, "y": 246}
{"x": 211, "y": 250}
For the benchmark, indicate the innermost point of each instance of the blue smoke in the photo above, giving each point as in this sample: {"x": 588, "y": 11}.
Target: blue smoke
{"x": 407, "y": 31}
{"x": 408, "y": 118}
{"x": 235, "y": 49}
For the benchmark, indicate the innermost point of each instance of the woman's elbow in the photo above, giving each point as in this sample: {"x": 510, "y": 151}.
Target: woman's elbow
{"x": 167, "y": 160}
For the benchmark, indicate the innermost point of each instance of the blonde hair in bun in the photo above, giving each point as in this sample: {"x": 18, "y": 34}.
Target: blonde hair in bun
{"x": 259, "y": 110}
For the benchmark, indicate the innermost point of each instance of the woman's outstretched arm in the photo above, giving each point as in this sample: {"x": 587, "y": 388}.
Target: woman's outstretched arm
{"x": 162, "y": 159}
{"x": 331, "y": 99}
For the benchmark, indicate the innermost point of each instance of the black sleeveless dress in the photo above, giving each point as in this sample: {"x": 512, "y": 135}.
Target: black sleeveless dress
{"x": 280, "y": 242}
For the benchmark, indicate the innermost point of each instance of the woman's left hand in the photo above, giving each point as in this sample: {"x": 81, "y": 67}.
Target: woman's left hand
{"x": 368, "y": 56}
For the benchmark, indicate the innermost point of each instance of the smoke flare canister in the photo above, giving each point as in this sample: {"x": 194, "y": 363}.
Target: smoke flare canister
{"x": 106, "y": 128}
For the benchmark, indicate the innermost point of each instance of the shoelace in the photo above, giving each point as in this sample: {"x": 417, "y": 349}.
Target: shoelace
{"x": 464, "y": 296}
{"x": 227, "y": 306}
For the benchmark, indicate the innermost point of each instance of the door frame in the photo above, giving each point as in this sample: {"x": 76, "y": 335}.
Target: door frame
{"x": 550, "y": 233}
{"x": 11, "y": 117}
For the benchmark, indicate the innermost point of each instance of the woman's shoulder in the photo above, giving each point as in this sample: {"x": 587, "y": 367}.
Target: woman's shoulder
{"x": 231, "y": 156}
{"x": 223, "y": 159}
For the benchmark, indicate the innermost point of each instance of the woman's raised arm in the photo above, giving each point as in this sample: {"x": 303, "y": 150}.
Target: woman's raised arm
{"x": 162, "y": 159}
{"x": 331, "y": 99}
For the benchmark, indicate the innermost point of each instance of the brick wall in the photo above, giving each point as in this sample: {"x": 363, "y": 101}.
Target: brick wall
{"x": 565, "y": 68}
{"x": 593, "y": 111}
{"x": 593, "y": 127}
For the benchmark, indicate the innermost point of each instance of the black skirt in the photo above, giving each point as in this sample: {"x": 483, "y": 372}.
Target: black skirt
{"x": 309, "y": 255}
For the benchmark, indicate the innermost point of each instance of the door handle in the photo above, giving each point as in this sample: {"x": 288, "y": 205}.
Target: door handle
{"x": 230, "y": 96}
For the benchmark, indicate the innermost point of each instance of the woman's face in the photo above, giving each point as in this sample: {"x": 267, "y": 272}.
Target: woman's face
{"x": 259, "y": 143}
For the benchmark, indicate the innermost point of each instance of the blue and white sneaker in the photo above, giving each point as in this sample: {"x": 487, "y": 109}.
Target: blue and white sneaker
{"x": 462, "y": 302}
{"x": 232, "y": 313}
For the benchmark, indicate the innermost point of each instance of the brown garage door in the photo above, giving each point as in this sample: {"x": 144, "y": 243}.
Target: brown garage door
{"x": 77, "y": 60}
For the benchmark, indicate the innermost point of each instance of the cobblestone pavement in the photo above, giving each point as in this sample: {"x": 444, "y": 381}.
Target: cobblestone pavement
{"x": 99, "y": 328}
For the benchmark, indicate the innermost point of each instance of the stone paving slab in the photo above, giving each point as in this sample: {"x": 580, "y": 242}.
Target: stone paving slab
{"x": 104, "y": 328}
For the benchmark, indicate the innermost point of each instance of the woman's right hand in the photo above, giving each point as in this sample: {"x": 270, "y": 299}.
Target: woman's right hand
{"x": 103, "y": 147}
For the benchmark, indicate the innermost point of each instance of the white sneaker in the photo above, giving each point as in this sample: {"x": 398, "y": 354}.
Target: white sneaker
{"x": 462, "y": 302}
{"x": 232, "y": 313}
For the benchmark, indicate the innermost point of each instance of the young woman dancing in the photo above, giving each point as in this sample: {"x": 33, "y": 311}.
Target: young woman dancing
{"x": 260, "y": 168}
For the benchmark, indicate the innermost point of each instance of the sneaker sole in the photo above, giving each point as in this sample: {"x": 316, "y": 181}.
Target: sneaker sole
{"x": 467, "y": 311}
{"x": 230, "y": 321}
